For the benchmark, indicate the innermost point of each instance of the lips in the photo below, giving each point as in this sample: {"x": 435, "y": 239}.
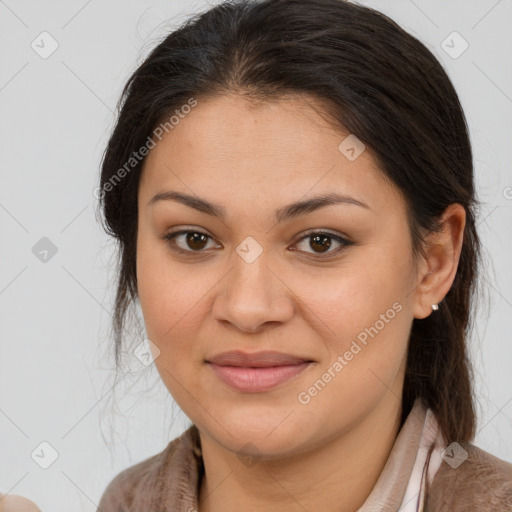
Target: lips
{"x": 258, "y": 372}
{"x": 256, "y": 360}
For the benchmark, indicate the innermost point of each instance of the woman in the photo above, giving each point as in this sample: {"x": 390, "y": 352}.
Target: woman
{"x": 291, "y": 185}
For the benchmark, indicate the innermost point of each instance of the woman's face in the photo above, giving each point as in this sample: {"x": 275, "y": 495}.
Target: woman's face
{"x": 265, "y": 276}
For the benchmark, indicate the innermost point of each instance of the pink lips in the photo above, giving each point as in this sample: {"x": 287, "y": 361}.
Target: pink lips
{"x": 256, "y": 372}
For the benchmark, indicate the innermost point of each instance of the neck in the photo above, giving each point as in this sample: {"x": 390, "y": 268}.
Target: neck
{"x": 338, "y": 475}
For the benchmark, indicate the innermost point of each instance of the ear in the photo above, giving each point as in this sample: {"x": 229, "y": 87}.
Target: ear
{"x": 437, "y": 270}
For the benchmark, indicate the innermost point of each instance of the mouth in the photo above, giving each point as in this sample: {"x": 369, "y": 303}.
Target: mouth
{"x": 257, "y": 372}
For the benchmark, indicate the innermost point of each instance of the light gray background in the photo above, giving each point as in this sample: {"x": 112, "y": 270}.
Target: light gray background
{"x": 56, "y": 361}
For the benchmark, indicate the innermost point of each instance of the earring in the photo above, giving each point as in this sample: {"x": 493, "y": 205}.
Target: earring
{"x": 435, "y": 307}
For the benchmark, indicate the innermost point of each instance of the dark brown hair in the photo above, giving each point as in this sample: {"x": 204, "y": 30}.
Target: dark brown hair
{"x": 375, "y": 81}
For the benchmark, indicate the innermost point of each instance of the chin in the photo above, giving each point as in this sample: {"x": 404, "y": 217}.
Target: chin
{"x": 254, "y": 435}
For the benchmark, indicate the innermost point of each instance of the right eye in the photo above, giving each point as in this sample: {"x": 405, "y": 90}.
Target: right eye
{"x": 195, "y": 240}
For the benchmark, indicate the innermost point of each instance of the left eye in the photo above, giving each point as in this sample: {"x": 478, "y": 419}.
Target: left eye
{"x": 322, "y": 240}
{"x": 197, "y": 241}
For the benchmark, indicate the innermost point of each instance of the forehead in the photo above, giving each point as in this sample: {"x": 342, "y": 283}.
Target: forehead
{"x": 227, "y": 145}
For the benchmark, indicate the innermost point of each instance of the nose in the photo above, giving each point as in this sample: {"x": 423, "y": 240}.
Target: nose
{"x": 253, "y": 295}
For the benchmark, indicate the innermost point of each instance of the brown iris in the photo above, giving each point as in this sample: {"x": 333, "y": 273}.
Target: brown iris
{"x": 320, "y": 241}
{"x": 196, "y": 238}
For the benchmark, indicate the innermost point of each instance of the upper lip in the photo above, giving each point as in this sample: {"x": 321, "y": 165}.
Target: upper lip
{"x": 256, "y": 359}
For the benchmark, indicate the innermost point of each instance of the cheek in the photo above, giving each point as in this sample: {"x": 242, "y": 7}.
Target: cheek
{"x": 169, "y": 298}
{"x": 345, "y": 300}
{"x": 363, "y": 324}
{"x": 162, "y": 295}
{"x": 368, "y": 328}
{"x": 173, "y": 297}
{"x": 360, "y": 312}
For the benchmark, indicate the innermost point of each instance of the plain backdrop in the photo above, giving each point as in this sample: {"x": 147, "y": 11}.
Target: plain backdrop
{"x": 57, "y": 265}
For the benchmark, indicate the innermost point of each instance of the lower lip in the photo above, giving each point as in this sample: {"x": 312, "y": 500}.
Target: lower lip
{"x": 254, "y": 380}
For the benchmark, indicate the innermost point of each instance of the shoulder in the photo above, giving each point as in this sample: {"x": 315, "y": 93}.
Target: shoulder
{"x": 137, "y": 482}
{"x": 481, "y": 482}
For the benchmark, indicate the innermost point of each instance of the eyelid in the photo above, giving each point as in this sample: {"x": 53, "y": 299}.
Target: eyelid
{"x": 341, "y": 238}
{"x": 320, "y": 231}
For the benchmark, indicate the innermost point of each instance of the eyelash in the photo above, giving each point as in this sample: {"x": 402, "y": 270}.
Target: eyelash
{"x": 169, "y": 238}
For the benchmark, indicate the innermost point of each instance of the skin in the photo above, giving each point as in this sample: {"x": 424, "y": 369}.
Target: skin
{"x": 251, "y": 160}
{"x": 13, "y": 503}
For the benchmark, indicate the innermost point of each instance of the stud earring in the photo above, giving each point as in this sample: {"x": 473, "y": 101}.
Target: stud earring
{"x": 435, "y": 307}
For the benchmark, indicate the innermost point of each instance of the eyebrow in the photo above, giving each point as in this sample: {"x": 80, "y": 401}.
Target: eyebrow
{"x": 282, "y": 214}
